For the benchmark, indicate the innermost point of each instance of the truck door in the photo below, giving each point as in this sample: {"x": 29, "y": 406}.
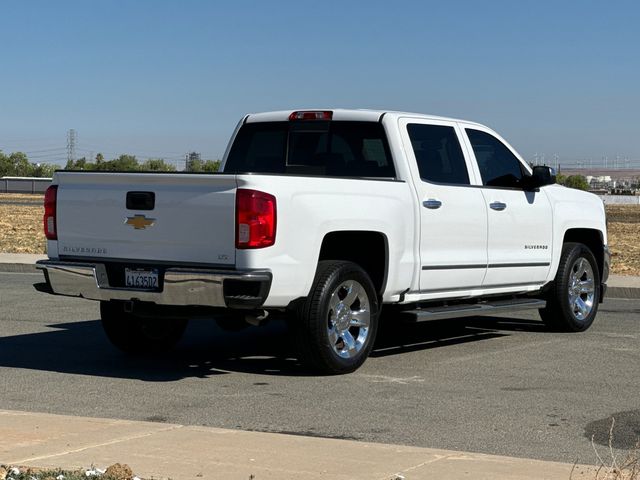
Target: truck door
{"x": 453, "y": 213}
{"x": 520, "y": 221}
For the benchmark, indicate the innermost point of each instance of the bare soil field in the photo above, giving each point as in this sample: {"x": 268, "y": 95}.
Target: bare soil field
{"x": 21, "y": 230}
{"x": 624, "y": 238}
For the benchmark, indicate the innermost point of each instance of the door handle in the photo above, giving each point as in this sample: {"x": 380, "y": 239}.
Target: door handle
{"x": 499, "y": 206}
{"x": 432, "y": 204}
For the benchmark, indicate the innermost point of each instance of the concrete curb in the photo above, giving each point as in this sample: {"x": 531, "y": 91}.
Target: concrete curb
{"x": 18, "y": 268}
{"x": 158, "y": 450}
{"x": 622, "y": 292}
{"x": 623, "y": 286}
{"x": 19, "y": 262}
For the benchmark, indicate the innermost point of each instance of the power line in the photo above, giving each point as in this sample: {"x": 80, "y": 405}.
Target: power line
{"x": 56, "y": 149}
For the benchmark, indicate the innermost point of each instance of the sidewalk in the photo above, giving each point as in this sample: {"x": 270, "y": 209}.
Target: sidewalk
{"x": 19, "y": 262}
{"x": 186, "y": 452}
{"x": 618, "y": 286}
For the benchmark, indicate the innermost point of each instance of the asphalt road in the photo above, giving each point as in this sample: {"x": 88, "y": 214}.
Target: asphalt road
{"x": 498, "y": 385}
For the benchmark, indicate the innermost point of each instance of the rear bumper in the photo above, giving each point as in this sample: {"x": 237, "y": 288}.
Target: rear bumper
{"x": 180, "y": 286}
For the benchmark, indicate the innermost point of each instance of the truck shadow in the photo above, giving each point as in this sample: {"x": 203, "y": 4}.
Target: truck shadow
{"x": 81, "y": 348}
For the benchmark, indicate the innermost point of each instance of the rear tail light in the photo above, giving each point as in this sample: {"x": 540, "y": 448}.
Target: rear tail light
{"x": 49, "y": 219}
{"x": 311, "y": 115}
{"x": 255, "y": 219}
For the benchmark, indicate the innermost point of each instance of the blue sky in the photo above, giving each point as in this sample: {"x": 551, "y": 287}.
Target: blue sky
{"x": 160, "y": 78}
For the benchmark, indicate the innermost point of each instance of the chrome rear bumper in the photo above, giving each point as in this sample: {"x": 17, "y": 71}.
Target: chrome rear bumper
{"x": 180, "y": 286}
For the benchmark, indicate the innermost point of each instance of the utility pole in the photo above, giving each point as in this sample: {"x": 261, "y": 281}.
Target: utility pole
{"x": 71, "y": 145}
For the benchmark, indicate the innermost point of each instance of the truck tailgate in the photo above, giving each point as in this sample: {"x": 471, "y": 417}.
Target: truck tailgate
{"x": 182, "y": 218}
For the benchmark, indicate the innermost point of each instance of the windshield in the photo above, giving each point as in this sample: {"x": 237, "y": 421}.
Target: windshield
{"x": 327, "y": 148}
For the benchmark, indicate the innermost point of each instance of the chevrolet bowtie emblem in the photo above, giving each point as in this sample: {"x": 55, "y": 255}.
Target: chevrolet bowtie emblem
{"x": 140, "y": 222}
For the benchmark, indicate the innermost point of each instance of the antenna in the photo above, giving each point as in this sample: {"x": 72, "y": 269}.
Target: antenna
{"x": 71, "y": 145}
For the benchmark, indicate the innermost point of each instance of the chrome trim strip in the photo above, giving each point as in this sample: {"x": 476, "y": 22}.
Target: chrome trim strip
{"x": 452, "y": 267}
{"x": 491, "y": 265}
{"x": 512, "y": 265}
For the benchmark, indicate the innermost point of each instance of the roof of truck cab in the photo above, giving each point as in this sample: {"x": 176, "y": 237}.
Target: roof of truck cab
{"x": 341, "y": 114}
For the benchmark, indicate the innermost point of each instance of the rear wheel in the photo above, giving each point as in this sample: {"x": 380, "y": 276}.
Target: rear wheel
{"x": 572, "y": 301}
{"x": 337, "y": 324}
{"x": 136, "y": 334}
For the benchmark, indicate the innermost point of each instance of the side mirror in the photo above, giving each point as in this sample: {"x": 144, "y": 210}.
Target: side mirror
{"x": 541, "y": 176}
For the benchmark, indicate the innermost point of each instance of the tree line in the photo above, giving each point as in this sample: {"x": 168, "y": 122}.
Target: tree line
{"x": 129, "y": 163}
{"x": 17, "y": 164}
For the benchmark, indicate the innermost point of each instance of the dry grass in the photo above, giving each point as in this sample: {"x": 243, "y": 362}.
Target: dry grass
{"x": 21, "y": 224}
{"x": 610, "y": 465}
{"x": 624, "y": 238}
{"x": 21, "y": 230}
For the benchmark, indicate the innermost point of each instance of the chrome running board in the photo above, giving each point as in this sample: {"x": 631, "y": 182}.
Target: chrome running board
{"x": 428, "y": 313}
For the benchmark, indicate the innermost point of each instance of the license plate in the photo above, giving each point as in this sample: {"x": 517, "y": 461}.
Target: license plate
{"x": 141, "y": 279}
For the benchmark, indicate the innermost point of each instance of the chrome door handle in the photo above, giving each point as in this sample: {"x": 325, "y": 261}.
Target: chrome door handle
{"x": 432, "y": 203}
{"x": 498, "y": 206}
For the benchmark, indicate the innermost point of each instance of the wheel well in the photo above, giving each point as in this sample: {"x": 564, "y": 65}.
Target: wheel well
{"x": 592, "y": 239}
{"x": 367, "y": 249}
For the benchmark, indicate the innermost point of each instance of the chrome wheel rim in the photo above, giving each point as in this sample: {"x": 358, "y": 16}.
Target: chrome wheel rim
{"x": 582, "y": 289}
{"x": 349, "y": 319}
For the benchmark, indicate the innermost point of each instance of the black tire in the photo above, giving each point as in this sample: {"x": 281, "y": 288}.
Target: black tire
{"x": 562, "y": 313}
{"x": 135, "y": 334}
{"x": 325, "y": 334}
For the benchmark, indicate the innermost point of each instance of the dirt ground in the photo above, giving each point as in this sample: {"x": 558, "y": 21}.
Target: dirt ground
{"x": 21, "y": 230}
{"x": 624, "y": 238}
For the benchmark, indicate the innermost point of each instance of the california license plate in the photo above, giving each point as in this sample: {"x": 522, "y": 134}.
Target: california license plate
{"x": 141, "y": 279}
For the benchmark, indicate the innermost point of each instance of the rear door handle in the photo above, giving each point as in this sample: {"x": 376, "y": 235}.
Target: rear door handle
{"x": 432, "y": 204}
{"x": 498, "y": 206}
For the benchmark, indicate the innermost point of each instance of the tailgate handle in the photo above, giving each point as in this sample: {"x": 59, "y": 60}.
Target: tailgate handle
{"x": 141, "y": 200}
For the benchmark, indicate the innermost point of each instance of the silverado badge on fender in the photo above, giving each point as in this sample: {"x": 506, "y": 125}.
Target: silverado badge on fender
{"x": 140, "y": 222}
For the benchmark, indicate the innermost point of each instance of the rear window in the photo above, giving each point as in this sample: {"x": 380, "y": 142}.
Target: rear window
{"x": 333, "y": 148}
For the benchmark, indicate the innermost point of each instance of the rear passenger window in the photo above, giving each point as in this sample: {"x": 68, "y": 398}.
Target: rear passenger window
{"x": 438, "y": 153}
{"x": 498, "y": 166}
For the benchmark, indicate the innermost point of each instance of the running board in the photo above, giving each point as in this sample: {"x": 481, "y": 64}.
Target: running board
{"x": 426, "y": 314}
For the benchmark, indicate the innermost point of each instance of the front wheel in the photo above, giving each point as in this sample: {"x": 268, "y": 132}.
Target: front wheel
{"x": 572, "y": 301}
{"x": 137, "y": 334}
{"x": 337, "y": 324}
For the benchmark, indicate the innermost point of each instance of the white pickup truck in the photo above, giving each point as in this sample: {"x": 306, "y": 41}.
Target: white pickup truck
{"x": 323, "y": 217}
